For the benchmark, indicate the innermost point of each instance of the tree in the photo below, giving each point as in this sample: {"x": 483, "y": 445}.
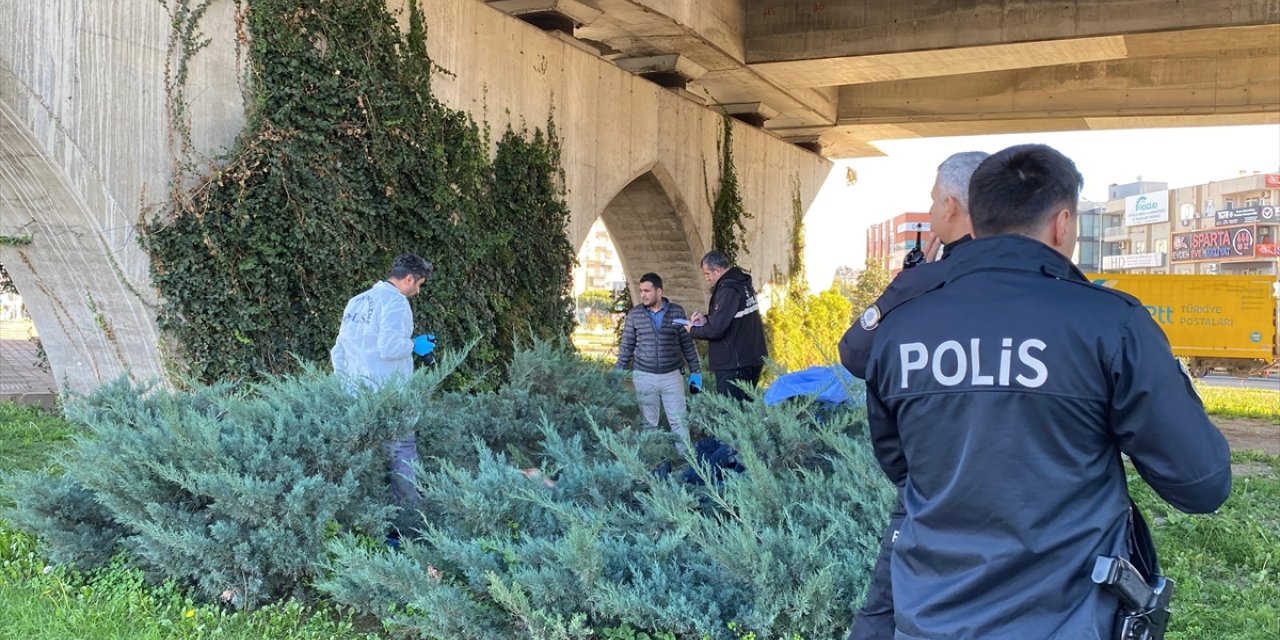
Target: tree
{"x": 600, "y": 300}
{"x": 803, "y": 330}
{"x": 871, "y": 283}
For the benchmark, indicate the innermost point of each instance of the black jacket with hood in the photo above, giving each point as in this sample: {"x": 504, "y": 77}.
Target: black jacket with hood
{"x": 734, "y": 331}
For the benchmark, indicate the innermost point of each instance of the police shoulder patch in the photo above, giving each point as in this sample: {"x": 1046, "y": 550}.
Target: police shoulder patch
{"x": 1191, "y": 382}
{"x": 870, "y": 318}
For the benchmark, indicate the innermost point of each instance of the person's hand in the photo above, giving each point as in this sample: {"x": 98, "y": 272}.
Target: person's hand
{"x": 697, "y": 319}
{"x": 424, "y": 344}
{"x": 933, "y": 250}
{"x": 695, "y": 382}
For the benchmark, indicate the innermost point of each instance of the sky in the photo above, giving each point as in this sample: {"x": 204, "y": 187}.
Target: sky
{"x": 837, "y": 221}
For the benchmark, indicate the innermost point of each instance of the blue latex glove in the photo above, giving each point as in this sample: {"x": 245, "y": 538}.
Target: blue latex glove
{"x": 424, "y": 344}
{"x": 695, "y": 381}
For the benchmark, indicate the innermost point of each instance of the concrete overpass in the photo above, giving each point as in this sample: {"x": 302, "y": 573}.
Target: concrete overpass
{"x": 636, "y": 87}
{"x": 835, "y": 75}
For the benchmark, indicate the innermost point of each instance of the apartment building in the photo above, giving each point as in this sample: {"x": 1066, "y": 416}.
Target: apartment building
{"x": 1227, "y": 226}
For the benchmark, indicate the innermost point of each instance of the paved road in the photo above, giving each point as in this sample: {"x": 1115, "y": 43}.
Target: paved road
{"x": 1272, "y": 384}
{"x": 21, "y": 380}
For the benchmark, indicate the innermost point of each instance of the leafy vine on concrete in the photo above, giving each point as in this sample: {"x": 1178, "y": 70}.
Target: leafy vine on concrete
{"x": 346, "y": 160}
{"x": 797, "y": 281}
{"x": 185, "y": 40}
{"x": 728, "y": 214}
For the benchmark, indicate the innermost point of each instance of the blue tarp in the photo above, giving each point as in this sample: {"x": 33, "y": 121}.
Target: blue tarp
{"x": 831, "y": 384}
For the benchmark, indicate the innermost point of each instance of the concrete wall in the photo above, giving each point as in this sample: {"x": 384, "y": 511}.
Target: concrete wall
{"x": 619, "y": 129}
{"x": 83, "y": 151}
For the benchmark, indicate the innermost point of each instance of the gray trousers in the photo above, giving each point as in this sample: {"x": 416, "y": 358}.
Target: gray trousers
{"x": 403, "y": 454}
{"x": 662, "y": 391}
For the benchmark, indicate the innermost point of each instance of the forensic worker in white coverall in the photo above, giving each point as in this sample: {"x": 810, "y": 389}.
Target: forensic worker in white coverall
{"x": 375, "y": 348}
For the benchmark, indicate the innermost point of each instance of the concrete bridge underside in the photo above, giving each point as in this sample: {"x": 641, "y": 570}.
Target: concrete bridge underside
{"x": 86, "y": 148}
{"x": 836, "y": 75}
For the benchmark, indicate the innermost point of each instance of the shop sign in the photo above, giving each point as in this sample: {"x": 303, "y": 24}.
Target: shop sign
{"x": 1219, "y": 243}
{"x": 1133, "y": 261}
{"x": 1147, "y": 208}
{"x": 1263, "y": 213}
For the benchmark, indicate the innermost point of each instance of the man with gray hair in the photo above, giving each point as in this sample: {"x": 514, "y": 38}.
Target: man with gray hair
{"x": 732, "y": 327}
{"x": 949, "y": 212}
{"x": 949, "y": 221}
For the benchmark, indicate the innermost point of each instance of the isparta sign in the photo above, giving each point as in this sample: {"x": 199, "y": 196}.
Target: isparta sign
{"x": 1218, "y": 244}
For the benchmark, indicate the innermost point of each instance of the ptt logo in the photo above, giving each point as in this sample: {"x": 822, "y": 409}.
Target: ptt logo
{"x": 1162, "y": 315}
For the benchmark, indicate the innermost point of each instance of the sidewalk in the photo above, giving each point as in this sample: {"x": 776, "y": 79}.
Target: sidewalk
{"x": 21, "y": 380}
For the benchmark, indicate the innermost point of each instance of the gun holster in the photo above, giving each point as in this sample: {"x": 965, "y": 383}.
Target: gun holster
{"x": 1144, "y": 606}
{"x": 1144, "y": 594}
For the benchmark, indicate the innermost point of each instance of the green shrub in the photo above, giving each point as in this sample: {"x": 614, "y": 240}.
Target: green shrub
{"x": 546, "y": 382}
{"x": 234, "y": 490}
{"x": 596, "y": 539}
{"x": 804, "y": 330}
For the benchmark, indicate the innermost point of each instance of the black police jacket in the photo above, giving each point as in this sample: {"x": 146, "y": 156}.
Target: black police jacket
{"x": 1002, "y": 397}
{"x": 734, "y": 330}
{"x": 855, "y": 346}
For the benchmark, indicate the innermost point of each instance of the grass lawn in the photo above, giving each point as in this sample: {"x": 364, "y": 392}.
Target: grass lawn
{"x": 1227, "y": 565}
{"x": 1241, "y": 403}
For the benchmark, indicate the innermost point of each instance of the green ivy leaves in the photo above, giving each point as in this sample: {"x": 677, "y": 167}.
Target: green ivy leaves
{"x": 347, "y": 160}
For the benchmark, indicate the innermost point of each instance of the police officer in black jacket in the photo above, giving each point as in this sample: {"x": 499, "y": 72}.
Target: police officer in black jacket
{"x": 732, "y": 327}
{"x": 1045, "y": 380}
{"x": 949, "y": 222}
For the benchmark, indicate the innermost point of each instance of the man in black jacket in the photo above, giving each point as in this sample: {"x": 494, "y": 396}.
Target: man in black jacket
{"x": 1045, "y": 380}
{"x": 949, "y": 221}
{"x": 656, "y": 347}
{"x": 732, "y": 328}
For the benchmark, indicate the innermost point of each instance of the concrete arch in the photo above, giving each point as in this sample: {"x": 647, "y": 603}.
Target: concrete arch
{"x": 652, "y": 229}
{"x": 93, "y": 319}
{"x": 84, "y": 155}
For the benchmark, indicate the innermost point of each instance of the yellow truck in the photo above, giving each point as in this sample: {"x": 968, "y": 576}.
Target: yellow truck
{"x": 1213, "y": 322}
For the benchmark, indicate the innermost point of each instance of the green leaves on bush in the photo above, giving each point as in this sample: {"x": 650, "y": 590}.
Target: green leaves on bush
{"x": 541, "y": 515}
{"x": 234, "y": 490}
{"x": 596, "y": 540}
{"x": 347, "y": 160}
{"x": 728, "y": 215}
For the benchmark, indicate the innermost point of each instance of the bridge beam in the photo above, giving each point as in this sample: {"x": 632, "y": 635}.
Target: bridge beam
{"x": 827, "y": 29}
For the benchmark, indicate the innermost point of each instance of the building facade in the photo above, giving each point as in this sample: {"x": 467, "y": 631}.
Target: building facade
{"x": 888, "y": 242}
{"x": 1089, "y": 245}
{"x": 599, "y": 266}
{"x": 1222, "y": 227}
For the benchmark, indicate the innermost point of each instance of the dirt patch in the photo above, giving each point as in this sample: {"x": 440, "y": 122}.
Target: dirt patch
{"x": 1246, "y": 434}
{"x": 1241, "y": 470}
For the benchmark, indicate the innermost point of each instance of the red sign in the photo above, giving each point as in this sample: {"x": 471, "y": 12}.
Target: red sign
{"x": 1268, "y": 250}
{"x": 1273, "y": 180}
{"x": 1220, "y": 243}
